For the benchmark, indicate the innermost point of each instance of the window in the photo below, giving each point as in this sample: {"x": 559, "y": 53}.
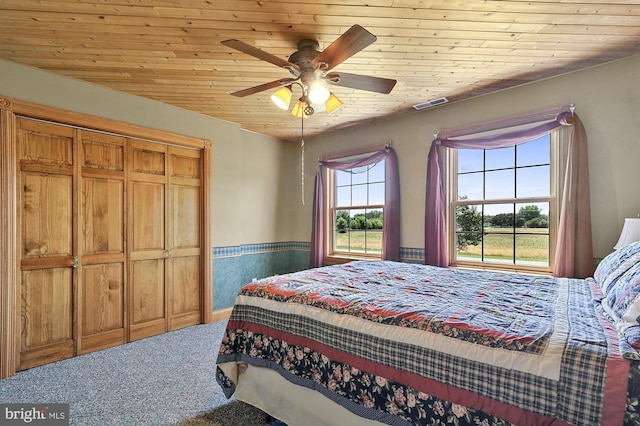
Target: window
{"x": 356, "y": 211}
{"x": 503, "y": 205}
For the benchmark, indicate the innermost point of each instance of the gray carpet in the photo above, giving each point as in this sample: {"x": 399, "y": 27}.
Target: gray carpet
{"x": 162, "y": 380}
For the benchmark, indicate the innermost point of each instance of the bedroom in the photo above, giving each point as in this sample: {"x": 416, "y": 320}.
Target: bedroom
{"x": 606, "y": 98}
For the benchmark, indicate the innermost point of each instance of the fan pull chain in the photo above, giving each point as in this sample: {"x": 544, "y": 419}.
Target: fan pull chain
{"x": 302, "y": 158}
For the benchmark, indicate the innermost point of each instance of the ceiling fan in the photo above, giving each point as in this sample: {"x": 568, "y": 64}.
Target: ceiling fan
{"x": 311, "y": 69}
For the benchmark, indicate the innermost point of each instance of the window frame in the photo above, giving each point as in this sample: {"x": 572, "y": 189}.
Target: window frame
{"x": 555, "y": 195}
{"x": 331, "y": 255}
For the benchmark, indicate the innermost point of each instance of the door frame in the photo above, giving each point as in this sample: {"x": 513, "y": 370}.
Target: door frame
{"x": 9, "y": 293}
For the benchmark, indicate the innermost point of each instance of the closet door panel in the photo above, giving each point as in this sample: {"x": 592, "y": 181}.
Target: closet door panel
{"x": 46, "y": 219}
{"x": 102, "y": 307}
{"x": 103, "y": 216}
{"x": 47, "y": 215}
{"x": 148, "y": 219}
{"x": 45, "y": 143}
{"x": 103, "y": 298}
{"x": 186, "y": 216}
{"x": 46, "y": 316}
{"x": 148, "y": 234}
{"x": 185, "y": 237}
{"x": 102, "y": 295}
{"x": 186, "y": 299}
{"x": 148, "y": 312}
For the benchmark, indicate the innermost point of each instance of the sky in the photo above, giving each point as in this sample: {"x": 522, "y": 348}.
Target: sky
{"x": 359, "y": 193}
{"x": 520, "y": 171}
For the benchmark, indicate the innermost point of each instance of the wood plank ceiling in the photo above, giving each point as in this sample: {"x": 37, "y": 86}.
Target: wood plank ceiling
{"x": 170, "y": 51}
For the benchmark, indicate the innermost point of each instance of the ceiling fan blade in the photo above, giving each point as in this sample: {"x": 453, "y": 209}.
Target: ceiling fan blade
{"x": 258, "y": 53}
{"x": 361, "y": 82}
{"x": 348, "y": 44}
{"x": 263, "y": 87}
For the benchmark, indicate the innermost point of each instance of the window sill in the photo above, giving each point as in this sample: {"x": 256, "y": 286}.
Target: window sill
{"x": 337, "y": 259}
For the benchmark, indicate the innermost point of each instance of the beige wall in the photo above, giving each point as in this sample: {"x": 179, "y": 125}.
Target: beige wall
{"x": 607, "y": 99}
{"x": 248, "y": 180}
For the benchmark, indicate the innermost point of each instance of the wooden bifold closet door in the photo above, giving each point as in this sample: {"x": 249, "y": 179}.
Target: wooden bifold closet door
{"x": 166, "y": 249}
{"x": 47, "y": 241}
{"x": 110, "y": 240}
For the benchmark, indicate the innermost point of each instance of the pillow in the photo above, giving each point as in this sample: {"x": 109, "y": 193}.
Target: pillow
{"x": 622, "y": 303}
{"x": 616, "y": 264}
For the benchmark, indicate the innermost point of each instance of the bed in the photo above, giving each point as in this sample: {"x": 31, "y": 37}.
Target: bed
{"x": 380, "y": 342}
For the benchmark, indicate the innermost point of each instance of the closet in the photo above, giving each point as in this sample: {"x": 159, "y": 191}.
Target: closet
{"x": 110, "y": 231}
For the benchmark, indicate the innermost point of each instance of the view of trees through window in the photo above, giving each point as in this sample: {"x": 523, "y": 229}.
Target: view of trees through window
{"x": 503, "y": 202}
{"x": 359, "y": 210}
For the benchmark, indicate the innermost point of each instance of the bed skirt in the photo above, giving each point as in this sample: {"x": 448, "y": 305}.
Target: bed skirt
{"x": 294, "y": 405}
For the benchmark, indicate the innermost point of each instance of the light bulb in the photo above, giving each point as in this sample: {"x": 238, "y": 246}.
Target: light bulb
{"x": 318, "y": 94}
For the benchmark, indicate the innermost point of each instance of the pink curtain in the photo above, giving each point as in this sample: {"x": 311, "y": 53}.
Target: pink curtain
{"x": 391, "y": 223}
{"x": 574, "y": 251}
{"x": 574, "y": 254}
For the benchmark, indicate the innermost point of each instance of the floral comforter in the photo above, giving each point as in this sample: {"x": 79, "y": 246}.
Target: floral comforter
{"x": 414, "y": 344}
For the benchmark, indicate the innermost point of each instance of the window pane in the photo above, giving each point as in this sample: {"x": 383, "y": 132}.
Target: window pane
{"x": 470, "y": 186}
{"x": 532, "y": 249}
{"x": 358, "y": 227}
{"x": 359, "y": 195}
{"x": 374, "y": 241}
{"x": 343, "y": 196}
{"x": 359, "y": 175}
{"x": 376, "y": 193}
{"x": 469, "y": 232}
{"x": 341, "y": 240}
{"x": 342, "y": 178}
{"x": 535, "y": 152}
{"x": 498, "y": 239}
{"x": 499, "y": 216}
{"x": 374, "y": 219}
{"x": 374, "y": 231}
{"x": 533, "y": 182}
{"x": 470, "y": 160}
{"x": 532, "y": 216}
{"x": 341, "y": 221}
{"x": 500, "y": 184}
{"x": 500, "y": 158}
{"x": 498, "y": 245}
{"x": 376, "y": 173}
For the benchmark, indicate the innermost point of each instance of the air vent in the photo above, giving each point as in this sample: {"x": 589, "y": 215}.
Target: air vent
{"x": 430, "y": 104}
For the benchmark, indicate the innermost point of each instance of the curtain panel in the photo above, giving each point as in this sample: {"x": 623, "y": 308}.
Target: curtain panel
{"x": 574, "y": 252}
{"x": 391, "y": 222}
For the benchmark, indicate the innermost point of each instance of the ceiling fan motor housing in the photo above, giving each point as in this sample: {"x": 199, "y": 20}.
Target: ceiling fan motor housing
{"x": 303, "y": 58}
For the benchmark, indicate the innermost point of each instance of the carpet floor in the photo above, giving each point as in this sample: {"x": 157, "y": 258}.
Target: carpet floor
{"x": 235, "y": 413}
{"x": 162, "y": 380}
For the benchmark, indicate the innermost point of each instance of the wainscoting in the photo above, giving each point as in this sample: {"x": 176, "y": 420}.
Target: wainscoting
{"x": 235, "y": 266}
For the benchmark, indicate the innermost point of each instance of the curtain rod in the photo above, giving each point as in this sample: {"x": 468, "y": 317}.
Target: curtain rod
{"x": 513, "y": 121}
{"x": 354, "y": 151}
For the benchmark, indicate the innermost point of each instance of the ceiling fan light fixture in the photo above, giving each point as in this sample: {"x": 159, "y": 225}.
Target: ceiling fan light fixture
{"x": 333, "y": 103}
{"x": 300, "y": 109}
{"x": 318, "y": 94}
{"x": 282, "y": 97}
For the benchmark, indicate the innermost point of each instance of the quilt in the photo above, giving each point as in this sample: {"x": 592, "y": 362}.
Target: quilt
{"x": 403, "y": 343}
